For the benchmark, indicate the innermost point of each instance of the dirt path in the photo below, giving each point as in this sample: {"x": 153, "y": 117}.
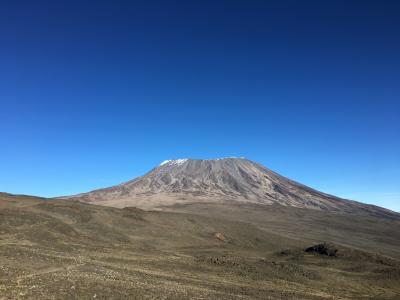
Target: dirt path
{"x": 47, "y": 271}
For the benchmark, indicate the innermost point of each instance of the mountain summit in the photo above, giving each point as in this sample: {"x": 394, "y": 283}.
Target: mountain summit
{"x": 227, "y": 180}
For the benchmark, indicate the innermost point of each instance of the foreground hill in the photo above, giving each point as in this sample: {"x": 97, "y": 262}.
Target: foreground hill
{"x": 226, "y": 180}
{"x": 64, "y": 249}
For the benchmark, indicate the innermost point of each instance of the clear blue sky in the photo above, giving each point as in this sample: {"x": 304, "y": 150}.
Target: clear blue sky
{"x": 94, "y": 93}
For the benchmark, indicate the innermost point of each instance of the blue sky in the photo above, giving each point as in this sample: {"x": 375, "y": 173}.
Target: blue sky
{"x": 93, "y": 93}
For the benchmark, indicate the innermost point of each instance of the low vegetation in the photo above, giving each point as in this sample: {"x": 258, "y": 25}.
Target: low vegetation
{"x": 63, "y": 249}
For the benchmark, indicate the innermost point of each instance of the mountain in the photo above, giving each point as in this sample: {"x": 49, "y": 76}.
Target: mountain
{"x": 224, "y": 180}
{"x": 228, "y": 229}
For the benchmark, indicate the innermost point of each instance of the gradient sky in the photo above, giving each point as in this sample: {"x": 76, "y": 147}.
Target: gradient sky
{"x": 93, "y": 93}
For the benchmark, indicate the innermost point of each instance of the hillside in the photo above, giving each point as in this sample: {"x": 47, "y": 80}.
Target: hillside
{"x": 80, "y": 251}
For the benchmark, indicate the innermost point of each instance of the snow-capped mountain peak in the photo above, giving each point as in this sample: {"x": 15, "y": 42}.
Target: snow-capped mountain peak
{"x": 222, "y": 180}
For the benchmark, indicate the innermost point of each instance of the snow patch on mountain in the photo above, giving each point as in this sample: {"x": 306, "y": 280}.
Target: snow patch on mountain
{"x": 177, "y": 162}
{"x": 183, "y": 160}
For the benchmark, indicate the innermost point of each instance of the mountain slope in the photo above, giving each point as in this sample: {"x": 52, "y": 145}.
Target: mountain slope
{"x": 228, "y": 180}
{"x": 79, "y": 251}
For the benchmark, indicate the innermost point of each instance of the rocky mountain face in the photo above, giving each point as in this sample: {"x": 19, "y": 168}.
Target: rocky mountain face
{"x": 227, "y": 180}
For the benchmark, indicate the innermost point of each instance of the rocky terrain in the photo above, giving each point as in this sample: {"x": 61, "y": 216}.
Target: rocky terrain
{"x": 227, "y": 180}
{"x": 56, "y": 249}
